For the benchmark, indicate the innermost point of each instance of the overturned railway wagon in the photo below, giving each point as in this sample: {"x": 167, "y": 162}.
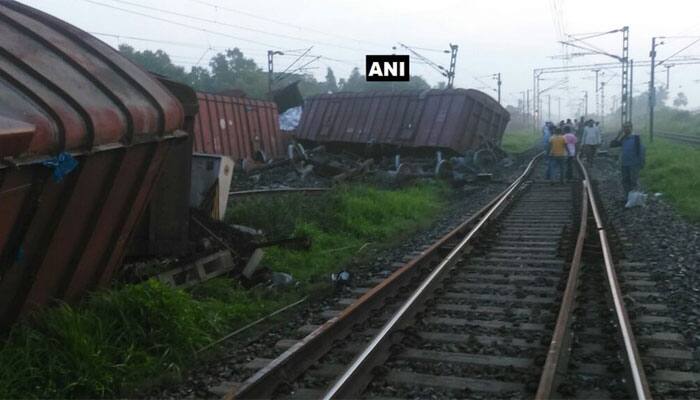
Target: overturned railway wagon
{"x": 238, "y": 127}
{"x": 457, "y": 120}
{"x": 83, "y": 138}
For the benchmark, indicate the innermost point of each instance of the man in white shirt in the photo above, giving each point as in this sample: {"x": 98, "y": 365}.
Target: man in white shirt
{"x": 590, "y": 140}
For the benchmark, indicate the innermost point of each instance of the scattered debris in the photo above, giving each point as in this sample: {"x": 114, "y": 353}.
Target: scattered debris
{"x": 635, "y": 199}
{"x": 281, "y": 279}
{"x": 201, "y": 270}
{"x": 211, "y": 180}
{"x": 341, "y": 278}
{"x": 251, "y": 233}
{"x": 484, "y": 177}
{"x": 253, "y": 263}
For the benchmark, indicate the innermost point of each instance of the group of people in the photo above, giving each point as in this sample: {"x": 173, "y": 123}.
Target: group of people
{"x": 561, "y": 141}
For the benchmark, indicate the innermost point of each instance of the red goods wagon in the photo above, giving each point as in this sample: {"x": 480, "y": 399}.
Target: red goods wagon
{"x": 452, "y": 119}
{"x": 83, "y": 137}
{"x": 238, "y": 127}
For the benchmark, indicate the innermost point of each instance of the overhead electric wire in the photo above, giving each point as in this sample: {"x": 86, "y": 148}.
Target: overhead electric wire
{"x": 182, "y": 24}
{"x": 249, "y": 14}
{"x": 676, "y": 53}
{"x": 199, "y": 46}
{"x": 289, "y": 53}
{"x": 296, "y": 60}
{"x": 301, "y": 68}
{"x": 586, "y": 36}
{"x": 212, "y": 21}
{"x": 142, "y": 39}
{"x": 427, "y": 49}
{"x": 592, "y": 48}
{"x": 441, "y": 70}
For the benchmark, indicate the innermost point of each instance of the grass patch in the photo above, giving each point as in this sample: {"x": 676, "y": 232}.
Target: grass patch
{"x": 674, "y": 170}
{"x": 519, "y": 141}
{"x": 122, "y": 340}
{"x": 339, "y": 223}
{"x": 119, "y": 340}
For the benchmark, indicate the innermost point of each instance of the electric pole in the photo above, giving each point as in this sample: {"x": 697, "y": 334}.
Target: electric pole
{"x": 602, "y": 105}
{"x": 629, "y": 118}
{"x": 453, "y": 64}
{"x": 559, "y": 108}
{"x": 499, "y": 87}
{"x": 652, "y": 89}
{"x": 624, "y": 96}
{"x": 668, "y": 74}
{"x": 585, "y": 103}
{"x": 527, "y": 102}
{"x": 549, "y": 107}
{"x": 536, "y": 99}
{"x": 270, "y": 69}
{"x": 654, "y": 64}
{"x": 597, "y": 104}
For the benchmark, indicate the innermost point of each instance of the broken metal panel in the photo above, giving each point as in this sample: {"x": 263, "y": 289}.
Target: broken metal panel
{"x": 237, "y": 127}
{"x": 208, "y": 171}
{"x": 456, "y": 119}
{"x": 64, "y": 227}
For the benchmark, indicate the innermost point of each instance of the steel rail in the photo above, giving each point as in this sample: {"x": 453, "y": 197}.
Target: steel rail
{"x": 679, "y": 137}
{"x": 306, "y": 190}
{"x": 559, "y": 347}
{"x": 632, "y": 358}
{"x": 293, "y": 362}
{"x": 350, "y": 383}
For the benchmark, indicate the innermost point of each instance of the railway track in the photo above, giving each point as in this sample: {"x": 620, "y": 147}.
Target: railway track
{"x": 692, "y": 140}
{"x": 521, "y": 300}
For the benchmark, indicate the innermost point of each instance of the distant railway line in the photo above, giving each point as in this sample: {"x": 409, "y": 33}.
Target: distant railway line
{"x": 692, "y": 140}
{"x": 495, "y": 308}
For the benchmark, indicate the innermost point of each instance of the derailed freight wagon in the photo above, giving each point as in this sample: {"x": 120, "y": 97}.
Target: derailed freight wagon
{"x": 451, "y": 120}
{"x": 238, "y": 127}
{"x": 84, "y": 134}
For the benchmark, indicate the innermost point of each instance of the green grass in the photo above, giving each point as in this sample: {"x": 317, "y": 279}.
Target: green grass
{"x": 519, "y": 141}
{"x": 118, "y": 340}
{"x": 674, "y": 170}
{"x": 126, "y": 339}
{"x": 339, "y": 223}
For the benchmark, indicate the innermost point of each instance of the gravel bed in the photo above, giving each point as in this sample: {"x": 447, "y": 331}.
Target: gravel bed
{"x": 228, "y": 366}
{"x": 669, "y": 245}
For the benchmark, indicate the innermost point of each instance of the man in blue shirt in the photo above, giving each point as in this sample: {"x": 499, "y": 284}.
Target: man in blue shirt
{"x": 547, "y": 131}
{"x": 631, "y": 157}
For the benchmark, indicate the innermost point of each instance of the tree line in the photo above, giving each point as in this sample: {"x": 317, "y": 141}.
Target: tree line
{"x": 233, "y": 70}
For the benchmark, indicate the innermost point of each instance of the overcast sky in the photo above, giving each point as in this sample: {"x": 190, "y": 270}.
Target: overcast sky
{"x": 507, "y": 36}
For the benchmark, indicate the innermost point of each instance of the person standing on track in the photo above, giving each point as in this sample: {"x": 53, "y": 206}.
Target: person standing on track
{"x": 547, "y": 132}
{"x": 591, "y": 140}
{"x": 580, "y": 125}
{"x": 557, "y": 154}
{"x": 546, "y": 135}
{"x": 632, "y": 157}
{"x": 570, "y": 140}
{"x": 569, "y": 123}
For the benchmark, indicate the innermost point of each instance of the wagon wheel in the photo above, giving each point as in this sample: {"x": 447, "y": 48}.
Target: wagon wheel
{"x": 443, "y": 170}
{"x": 297, "y": 155}
{"x": 260, "y": 156}
{"x": 484, "y": 158}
